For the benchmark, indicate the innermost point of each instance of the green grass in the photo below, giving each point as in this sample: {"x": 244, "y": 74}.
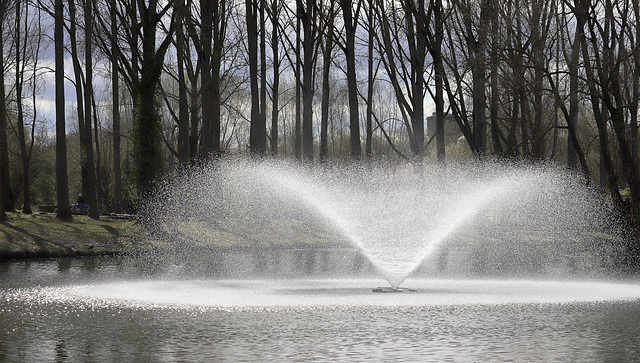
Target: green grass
{"x": 42, "y": 235}
{"x": 241, "y": 233}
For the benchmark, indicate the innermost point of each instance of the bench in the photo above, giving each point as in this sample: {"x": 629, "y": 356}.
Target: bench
{"x": 47, "y": 208}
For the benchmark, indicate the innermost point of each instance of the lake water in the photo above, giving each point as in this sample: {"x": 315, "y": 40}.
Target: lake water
{"x": 300, "y": 306}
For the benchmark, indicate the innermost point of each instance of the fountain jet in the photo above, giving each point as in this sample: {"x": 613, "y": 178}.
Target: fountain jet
{"x": 397, "y": 215}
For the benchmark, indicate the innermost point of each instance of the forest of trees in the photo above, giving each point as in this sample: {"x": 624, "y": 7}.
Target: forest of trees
{"x": 159, "y": 85}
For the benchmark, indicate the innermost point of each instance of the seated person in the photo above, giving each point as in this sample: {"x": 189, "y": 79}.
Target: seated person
{"x": 80, "y": 202}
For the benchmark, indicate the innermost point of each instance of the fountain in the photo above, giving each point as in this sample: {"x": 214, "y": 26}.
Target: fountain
{"x": 271, "y": 261}
{"x": 398, "y": 217}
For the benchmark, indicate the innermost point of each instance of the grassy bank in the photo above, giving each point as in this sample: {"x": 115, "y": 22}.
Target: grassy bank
{"x": 43, "y": 236}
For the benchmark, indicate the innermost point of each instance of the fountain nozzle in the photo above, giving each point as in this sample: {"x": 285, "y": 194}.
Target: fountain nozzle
{"x": 393, "y": 289}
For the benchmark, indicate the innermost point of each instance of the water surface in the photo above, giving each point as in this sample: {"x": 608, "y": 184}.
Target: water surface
{"x": 103, "y": 309}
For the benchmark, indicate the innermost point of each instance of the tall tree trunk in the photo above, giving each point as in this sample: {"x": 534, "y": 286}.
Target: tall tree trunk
{"x": 6, "y": 202}
{"x": 308, "y": 46}
{"x": 439, "y": 81}
{"x": 368, "y": 148}
{"x": 3, "y": 120}
{"x": 115, "y": 95}
{"x": 62, "y": 180}
{"x": 88, "y": 162}
{"x": 147, "y": 128}
{"x": 183, "y": 102}
{"x": 206, "y": 136}
{"x": 479, "y": 80}
{"x": 135, "y": 51}
{"x": 275, "y": 87}
{"x": 601, "y": 122}
{"x": 252, "y": 43}
{"x": 635, "y": 141}
{"x": 297, "y": 138}
{"x": 417, "y": 53}
{"x": 350, "y": 26}
{"x": 538, "y": 35}
{"x": 495, "y": 91}
{"x": 326, "y": 67}
{"x": 573, "y": 98}
{"x": 263, "y": 81}
{"x": 80, "y": 104}
{"x": 19, "y": 73}
{"x": 219, "y": 31}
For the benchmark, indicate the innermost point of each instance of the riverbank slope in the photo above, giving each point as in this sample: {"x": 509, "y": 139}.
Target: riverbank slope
{"x": 43, "y": 236}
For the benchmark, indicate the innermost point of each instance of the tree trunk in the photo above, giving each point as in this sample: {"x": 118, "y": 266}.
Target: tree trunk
{"x": 308, "y": 46}
{"x": 275, "y": 88}
{"x": 263, "y": 81}
{"x": 252, "y": 44}
{"x": 326, "y": 67}
{"x": 495, "y": 91}
{"x": 352, "y": 85}
{"x": 5, "y": 186}
{"x": 219, "y": 30}
{"x": 417, "y": 54}
{"x": 479, "y": 81}
{"x": 206, "y": 136}
{"x": 183, "y": 102}
{"x": 368, "y": 152}
{"x": 297, "y": 138}
{"x": 573, "y": 98}
{"x": 538, "y": 35}
{"x": 601, "y": 122}
{"x": 147, "y": 128}
{"x": 80, "y": 104}
{"x": 19, "y": 73}
{"x": 440, "y": 74}
{"x": 115, "y": 92}
{"x": 62, "y": 180}
{"x": 6, "y": 195}
{"x": 88, "y": 162}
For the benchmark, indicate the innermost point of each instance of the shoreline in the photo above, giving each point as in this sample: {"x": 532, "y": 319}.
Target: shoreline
{"x": 42, "y": 236}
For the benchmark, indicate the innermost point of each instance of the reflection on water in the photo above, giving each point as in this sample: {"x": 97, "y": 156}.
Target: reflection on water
{"x": 595, "y": 332}
{"x": 283, "y": 263}
{"x": 50, "y": 330}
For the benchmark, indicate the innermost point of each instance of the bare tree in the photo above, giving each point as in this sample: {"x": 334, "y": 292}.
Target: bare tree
{"x": 327, "y": 46}
{"x": 147, "y": 126}
{"x": 6, "y": 202}
{"x": 22, "y": 38}
{"x": 88, "y": 161}
{"x": 368, "y": 148}
{"x": 62, "y": 187}
{"x": 183, "y": 101}
{"x": 257, "y": 139}
{"x": 350, "y": 27}
{"x": 307, "y": 13}
{"x": 274, "y": 14}
{"x": 115, "y": 95}
{"x": 405, "y": 70}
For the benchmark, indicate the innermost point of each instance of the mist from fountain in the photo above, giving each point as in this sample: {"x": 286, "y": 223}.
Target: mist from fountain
{"x": 397, "y": 215}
